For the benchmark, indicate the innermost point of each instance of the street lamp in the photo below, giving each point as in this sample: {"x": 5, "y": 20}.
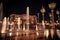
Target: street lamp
{"x": 52, "y": 6}
{"x": 43, "y": 24}
{"x": 43, "y": 11}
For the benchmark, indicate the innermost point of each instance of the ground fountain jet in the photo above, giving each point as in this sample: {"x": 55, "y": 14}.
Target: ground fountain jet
{"x": 36, "y": 28}
{"x": 18, "y": 22}
{"x": 37, "y": 22}
{"x": 58, "y": 33}
{"x": 23, "y": 27}
{"x": 46, "y": 33}
{"x": 8, "y": 23}
{"x": 52, "y": 32}
{"x": 4, "y": 25}
{"x": 27, "y": 18}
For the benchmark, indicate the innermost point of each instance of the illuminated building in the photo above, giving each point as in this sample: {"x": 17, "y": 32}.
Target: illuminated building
{"x": 32, "y": 19}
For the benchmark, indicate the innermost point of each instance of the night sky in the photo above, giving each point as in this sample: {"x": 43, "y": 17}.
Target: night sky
{"x": 19, "y": 7}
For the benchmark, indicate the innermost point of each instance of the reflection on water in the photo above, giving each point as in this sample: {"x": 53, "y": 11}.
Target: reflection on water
{"x": 58, "y": 33}
{"x": 37, "y": 35}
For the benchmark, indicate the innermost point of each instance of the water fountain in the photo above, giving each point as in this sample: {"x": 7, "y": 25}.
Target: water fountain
{"x": 4, "y": 25}
{"x": 52, "y": 32}
{"x": 18, "y": 23}
{"x": 58, "y": 33}
{"x": 46, "y": 33}
{"x": 7, "y": 28}
{"x": 37, "y": 22}
{"x": 11, "y": 26}
{"x": 27, "y": 20}
{"x": 36, "y": 28}
{"x": 23, "y": 27}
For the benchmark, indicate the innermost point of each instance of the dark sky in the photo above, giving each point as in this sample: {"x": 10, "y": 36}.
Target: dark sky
{"x": 19, "y": 6}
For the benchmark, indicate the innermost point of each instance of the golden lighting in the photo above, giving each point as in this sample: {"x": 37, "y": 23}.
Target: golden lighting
{"x": 43, "y": 23}
{"x": 4, "y": 25}
{"x": 50, "y": 15}
{"x": 10, "y": 34}
{"x": 37, "y": 33}
{"x": 42, "y": 9}
{"x": 52, "y": 32}
{"x": 57, "y": 23}
{"x": 46, "y": 33}
{"x": 57, "y": 12}
{"x": 27, "y": 19}
{"x": 18, "y": 23}
{"x": 11, "y": 24}
{"x": 23, "y": 27}
{"x": 17, "y": 33}
{"x": 36, "y": 28}
{"x": 52, "y": 5}
{"x": 58, "y": 33}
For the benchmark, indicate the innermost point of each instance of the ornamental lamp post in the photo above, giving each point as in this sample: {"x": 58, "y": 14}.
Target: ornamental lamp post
{"x": 43, "y": 24}
{"x": 52, "y": 6}
{"x": 43, "y": 11}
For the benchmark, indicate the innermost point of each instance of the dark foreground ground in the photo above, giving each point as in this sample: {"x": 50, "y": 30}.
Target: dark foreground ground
{"x": 28, "y": 37}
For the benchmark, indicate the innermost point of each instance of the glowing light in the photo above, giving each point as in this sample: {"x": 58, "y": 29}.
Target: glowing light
{"x": 23, "y": 27}
{"x": 58, "y": 33}
{"x": 10, "y": 30}
{"x": 57, "y": 12}
{"x": 36, "y": 28}
{"x": 42, "y": 9}
{"x": 52, "y": 5}
{"x": 52, "y": 33}
{"x": 17, "y": 33}
{"x": 37, "y": 33}
{"x": 10, "y": 34}
{"x": 50, "y": 15}
{"x": 43, "y": 24}
{"x": 4, "y": 25}
{"x": 27, "y": 18}
{"x": 18, "y": 23}
{"x": 11, "y": 24}
{"x": 46, "y": 33}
